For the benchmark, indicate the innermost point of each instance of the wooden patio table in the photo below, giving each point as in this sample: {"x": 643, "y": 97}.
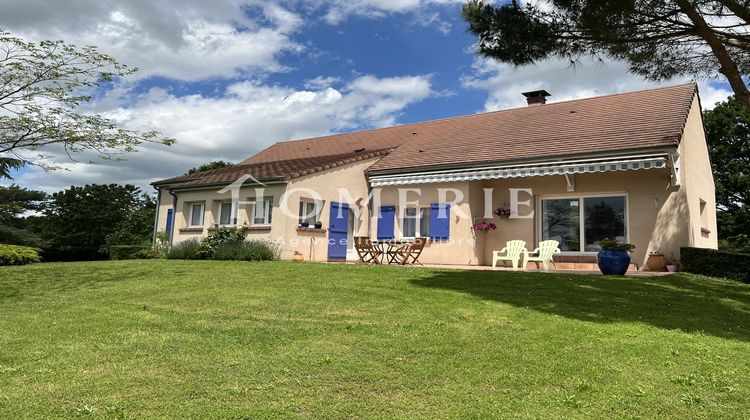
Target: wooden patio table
{"x": 390, "y": 248}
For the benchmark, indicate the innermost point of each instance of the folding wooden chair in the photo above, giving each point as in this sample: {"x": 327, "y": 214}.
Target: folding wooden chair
{"x": 366, "y": 251}
{"x": 411, "y": 252}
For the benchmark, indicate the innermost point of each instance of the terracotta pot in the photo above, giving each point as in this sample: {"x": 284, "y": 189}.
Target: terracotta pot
{"x": 298, "y": 257}
{"x": 656, "y": 263}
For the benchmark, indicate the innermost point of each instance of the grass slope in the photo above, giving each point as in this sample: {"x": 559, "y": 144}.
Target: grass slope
{"x": 228, "y": 339}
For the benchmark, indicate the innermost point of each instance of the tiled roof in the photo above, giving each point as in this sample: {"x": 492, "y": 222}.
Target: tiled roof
{"x": 637, "y": 120}
{"x": 282, "y": 170}
{"x": 627, "y": 121}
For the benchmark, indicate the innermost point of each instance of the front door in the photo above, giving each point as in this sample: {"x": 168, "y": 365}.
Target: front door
{"x": 338, "y": 232}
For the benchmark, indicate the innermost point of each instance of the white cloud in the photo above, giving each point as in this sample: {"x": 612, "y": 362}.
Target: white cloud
{"x": 339, "y": 10}
{"x": 321, "y": 82}
{"x": 187, "y": 40}
{"x": 248, "y": 117}
{"x": 505, "y": 83}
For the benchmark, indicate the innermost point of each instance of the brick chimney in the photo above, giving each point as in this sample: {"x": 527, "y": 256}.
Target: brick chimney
{"x": 536, "y": 97}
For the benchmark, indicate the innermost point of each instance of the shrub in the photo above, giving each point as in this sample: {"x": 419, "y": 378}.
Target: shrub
{"x": 18, "y": 255}
{"x": 186, "y": 250}
{"x": 225, "y": 235}
{"x": 126, "y": 252}
{"x": 247, "y": 251}
{"x": 710, "y": 262}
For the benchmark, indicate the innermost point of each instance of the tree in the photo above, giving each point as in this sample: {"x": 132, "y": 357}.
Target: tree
{"x": 78, "y": 220}
{"x": 14, "y": 202}
{"x": 42, "y": 86}
{"x": 659, "y": 39}
{"x": 135, "y": 231}
{"x": 728, "y": 136}
{"x": 217, "y": 164}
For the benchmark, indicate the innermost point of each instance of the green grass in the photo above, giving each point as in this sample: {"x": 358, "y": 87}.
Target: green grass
{"x": 231, "y": 339}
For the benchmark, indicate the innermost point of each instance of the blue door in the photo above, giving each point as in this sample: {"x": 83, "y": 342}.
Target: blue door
{"x": 337, "y": 231}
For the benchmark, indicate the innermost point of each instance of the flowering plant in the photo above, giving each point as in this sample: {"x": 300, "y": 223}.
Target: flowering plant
{"x": 484, "y": 226}
{"x": 608, "y": 244}
{"x": 503, "y": 212}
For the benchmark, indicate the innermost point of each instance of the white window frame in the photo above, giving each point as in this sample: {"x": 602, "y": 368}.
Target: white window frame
{"x": 232, "y": 214}
{"x": 581, "y": 216}
{"x": 192, "y": 210}
{"x": 318, "y": 205}
{"x": 268, "y": 219}
{"x": 418, "y": 220}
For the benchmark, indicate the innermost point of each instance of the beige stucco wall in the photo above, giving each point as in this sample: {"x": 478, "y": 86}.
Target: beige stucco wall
{"x": 211, "y": 199}
{"x": 327, "y": 184}
{"x": 460, "y": 248}
{"x": 646, "y": 192}
{"x": 285, "y": 200}
{"x": 698, "y": 180}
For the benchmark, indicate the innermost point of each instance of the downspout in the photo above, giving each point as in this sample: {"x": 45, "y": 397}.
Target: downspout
{"x": 156, "y": 216}
{"x": 174, "y": 215}
{"x": 369, "y": 208}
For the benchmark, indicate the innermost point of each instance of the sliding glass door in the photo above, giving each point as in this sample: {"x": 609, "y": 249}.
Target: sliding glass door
{"x": 569, "y": 219}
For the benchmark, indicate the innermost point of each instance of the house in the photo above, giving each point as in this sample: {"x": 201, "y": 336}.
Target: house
{"x": 632, "y": 167}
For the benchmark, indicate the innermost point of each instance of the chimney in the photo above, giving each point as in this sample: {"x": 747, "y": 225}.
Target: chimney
{"x": 536, "y": 97}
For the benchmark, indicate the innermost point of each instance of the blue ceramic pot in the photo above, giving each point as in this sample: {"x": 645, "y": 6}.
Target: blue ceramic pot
{"x": 613, "y": 262}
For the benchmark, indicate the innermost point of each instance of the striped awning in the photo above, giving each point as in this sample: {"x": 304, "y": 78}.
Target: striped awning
{"x": 630, "y": 163}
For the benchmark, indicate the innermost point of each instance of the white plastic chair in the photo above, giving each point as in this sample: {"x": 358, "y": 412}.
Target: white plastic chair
{"x": 512, "y": 250}
{"x": 545, "y": 252}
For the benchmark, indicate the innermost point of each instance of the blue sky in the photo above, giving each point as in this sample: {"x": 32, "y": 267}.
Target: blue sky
{"x": 228, "y": 78}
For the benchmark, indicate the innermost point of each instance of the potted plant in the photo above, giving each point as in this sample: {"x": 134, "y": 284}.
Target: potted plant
{"x": 298, "y": 257}
{"x": 318, "y": 225}
{"x": 484, "y": 226}
{"x": 502, "y": 212}
{"x": 656, "y": 261}
{"x": 305, "y": 224}
{"x": 614, "y": 257}
{"x": 672, "y": 266}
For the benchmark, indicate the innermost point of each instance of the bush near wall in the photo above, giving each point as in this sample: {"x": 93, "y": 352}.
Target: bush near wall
{"x": 710, "y": 262}
{"x": 193, "y": 249}
{"x": 18, "y": 255}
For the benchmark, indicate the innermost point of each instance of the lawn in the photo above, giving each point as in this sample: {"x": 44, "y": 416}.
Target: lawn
{"x": 231, "y": 339}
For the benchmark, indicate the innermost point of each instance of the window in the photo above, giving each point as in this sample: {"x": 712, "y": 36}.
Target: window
{"x": 604, "y": 219}
{"x": 704, "y": 214}
{"x": 196, "y": 215}
{"x": 415, "y": 222}
{"x": 262, "y": 212}
{"x": 580, "y": 223}
{"x": 561, "y": 222}
{"x": 227, "y": 215}
{"x": 309, "y": 211}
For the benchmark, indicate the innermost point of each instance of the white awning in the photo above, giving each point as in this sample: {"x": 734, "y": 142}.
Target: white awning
{"x": 629, "y": 163}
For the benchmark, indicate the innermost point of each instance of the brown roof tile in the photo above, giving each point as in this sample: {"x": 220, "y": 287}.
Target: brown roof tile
{"x": 627, "y": 121}
{"x": 282, "y": 170}
{"x": 636, "y": 120}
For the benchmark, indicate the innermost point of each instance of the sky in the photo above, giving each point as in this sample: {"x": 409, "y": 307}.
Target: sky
{"x": 228, "y": 78}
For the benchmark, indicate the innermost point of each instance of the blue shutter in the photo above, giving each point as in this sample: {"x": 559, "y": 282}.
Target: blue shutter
{"x": 169, "y": 222}
{"x": 440, "y": 217}
{"x": 386, "y": 220}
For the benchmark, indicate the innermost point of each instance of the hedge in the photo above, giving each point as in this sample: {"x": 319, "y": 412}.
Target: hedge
{"x": 18, "y": 255}
{"x": 710, "y": 262}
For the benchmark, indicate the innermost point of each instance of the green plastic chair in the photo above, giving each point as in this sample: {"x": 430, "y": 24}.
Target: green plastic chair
{"x": 512, "y": 250}
{"x": 545, "y": 252}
